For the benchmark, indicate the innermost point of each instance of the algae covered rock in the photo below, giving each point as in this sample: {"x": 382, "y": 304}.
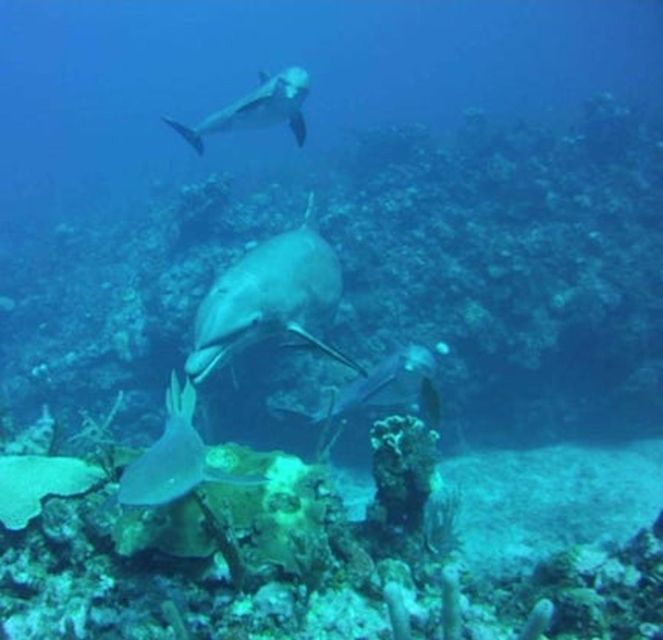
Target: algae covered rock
{"x": 279, "y": 525}
{"x": 26, "y": 480}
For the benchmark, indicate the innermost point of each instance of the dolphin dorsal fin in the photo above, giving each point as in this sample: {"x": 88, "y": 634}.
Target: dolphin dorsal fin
{"x": 263, "y": 76}
{"x": 180, "y": 402}
{"x": 310, "y": 217}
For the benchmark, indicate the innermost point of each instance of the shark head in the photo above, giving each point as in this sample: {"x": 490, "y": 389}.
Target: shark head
{"x": 228, "y": 321}
{"x": 295, "y": 84}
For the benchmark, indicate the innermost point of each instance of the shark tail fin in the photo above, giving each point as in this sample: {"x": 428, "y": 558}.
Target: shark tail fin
{"x": 189, "y": 135}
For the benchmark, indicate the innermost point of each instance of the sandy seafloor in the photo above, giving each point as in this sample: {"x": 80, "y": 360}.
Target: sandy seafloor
{"x": 520, "y": 506}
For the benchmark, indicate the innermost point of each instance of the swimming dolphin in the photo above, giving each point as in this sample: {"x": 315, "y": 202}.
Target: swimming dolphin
{"x": 287, "y": 285}
{"x": 176, "y": 463}
{"x": 402, "y": 378}
{"x": 278, "y": 99}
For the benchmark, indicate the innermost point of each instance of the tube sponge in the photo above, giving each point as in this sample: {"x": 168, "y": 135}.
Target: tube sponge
{"x": 451, "y": 615}
{"x": 398, "y": 614}
{"x": 538, "y": 620}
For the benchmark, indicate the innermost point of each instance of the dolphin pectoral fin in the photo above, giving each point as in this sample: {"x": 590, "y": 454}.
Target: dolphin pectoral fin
{"x": 298, "y": 127}
{"x": 430, "y": 402}
{"x": 189, "y": 135}
{"x": 378, "y": 388}
{"x": 295, "y": 328}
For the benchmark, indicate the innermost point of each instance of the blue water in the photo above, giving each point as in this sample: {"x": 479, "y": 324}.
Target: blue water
{"x": 90, "y": 171}
{"x": 83, "y": 84}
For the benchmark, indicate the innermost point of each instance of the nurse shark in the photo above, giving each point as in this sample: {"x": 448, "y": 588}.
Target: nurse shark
{"x": 177, "y": 462}
{"x": 278, "y": 99}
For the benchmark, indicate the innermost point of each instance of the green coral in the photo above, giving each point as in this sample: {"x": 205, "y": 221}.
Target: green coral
{"x": 280, "y": 523}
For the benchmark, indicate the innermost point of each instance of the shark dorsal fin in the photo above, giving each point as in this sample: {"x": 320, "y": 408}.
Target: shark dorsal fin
{"x": 173, "y": 395}
{"x": 180, "y": 402}
{"x": 188, "y": 401}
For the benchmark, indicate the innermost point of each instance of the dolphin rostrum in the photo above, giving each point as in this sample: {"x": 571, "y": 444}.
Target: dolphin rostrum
{"x": 278, "y": 99}
{"x": 286, "y": 285}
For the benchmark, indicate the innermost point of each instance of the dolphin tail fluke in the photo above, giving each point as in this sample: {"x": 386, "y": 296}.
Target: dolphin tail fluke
{"x": 189, "y": 135}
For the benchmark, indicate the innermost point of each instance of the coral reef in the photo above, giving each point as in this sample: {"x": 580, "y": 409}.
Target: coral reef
{"x": 515, "y": 245}
{"x": 278, "y": 528}
{"x": 281, "y": 560}
{"x": 530, "y": 256}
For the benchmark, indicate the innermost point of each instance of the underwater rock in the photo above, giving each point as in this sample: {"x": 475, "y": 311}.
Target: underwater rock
{"x": 339, "y": 614}
{"x": 609, "y": 129}
{"x": 274, "y": 600}
{"x": 601, "y": 594}
{"x": 279, "y": 526}
{"x": 35, "y": 439}
{"x": 378, "y": 149}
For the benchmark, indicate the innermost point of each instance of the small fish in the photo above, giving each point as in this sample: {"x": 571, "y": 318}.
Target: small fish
{"x": 278, "y": 99}
{"x": 176, "y": 463}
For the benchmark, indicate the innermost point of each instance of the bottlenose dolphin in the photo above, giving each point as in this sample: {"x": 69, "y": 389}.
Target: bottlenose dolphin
{"x": 278, "y": 99}
{"x": 177, "y": 462}
{"x": 402, "y": 378}
{"x": 287, "y": 285}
